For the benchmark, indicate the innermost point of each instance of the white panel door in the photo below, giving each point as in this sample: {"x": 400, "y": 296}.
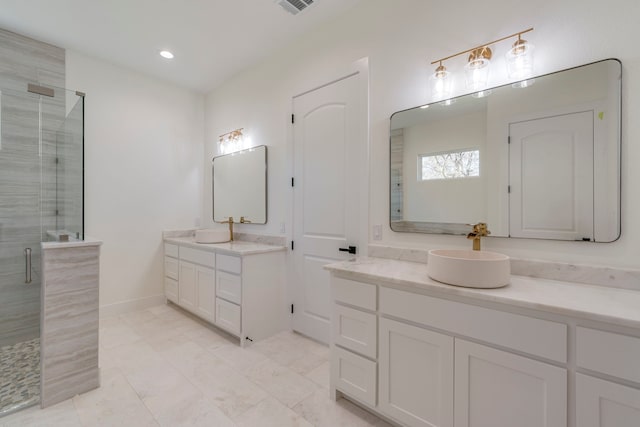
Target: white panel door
{"x": 602, "y": 403}
{"x": 416, "y": 375}
{"x": 499, "y": 389}
{"x": 330, "y": 154}
{"x": 551, "y": 177}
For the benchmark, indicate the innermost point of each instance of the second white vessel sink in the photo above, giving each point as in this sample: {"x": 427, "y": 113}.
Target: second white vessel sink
{"x": 212, "y": 235}
{"x": 472, "y": 269}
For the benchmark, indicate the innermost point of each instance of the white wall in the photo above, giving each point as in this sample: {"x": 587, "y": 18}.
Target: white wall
{"x": 401, "y": 38}
{"x": 143, "y": 171}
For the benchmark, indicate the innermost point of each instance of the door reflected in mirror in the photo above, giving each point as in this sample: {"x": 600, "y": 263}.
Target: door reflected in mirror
{"x": 540, "y": 160}
{"x": 240, "y": 186}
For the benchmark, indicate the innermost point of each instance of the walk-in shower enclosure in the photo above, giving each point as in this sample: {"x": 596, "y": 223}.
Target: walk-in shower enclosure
{"x": 41, "y": 199}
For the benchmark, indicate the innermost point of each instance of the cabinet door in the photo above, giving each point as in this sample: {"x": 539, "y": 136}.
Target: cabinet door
{"x": 205, "y": 287}
{"x": 187, "y": 286}
{"x": 171, "y": 289}
{"x": 499, "y": 389}
{"x": 602, "y": 403}
{"x": 416, "y": 375}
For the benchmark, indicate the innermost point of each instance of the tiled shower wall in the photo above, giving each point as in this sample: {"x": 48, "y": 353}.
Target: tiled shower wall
{"x": 23, "y": 60}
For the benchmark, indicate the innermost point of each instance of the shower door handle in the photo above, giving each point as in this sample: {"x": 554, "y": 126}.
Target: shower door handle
{"x": 27, "y": 258}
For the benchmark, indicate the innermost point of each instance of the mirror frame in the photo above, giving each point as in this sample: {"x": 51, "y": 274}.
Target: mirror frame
{"x": 458, "y": 229}
{"x": 266, "y": 183}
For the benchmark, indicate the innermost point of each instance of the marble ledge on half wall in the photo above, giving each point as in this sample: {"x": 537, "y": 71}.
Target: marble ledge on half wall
{"x": 566, "y": 272}
{"x": 243, "y": 237}
{"x": 88, "y": 241}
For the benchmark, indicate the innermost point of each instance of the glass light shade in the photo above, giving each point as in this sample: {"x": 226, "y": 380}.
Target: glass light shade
{"x": 441, "y": 83}
{"x": 520, "y": 60}
{"x": 477, "y": 73}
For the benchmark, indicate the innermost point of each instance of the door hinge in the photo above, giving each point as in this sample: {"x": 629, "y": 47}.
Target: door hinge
{"x": 292, "y": 245}
{"x": 291, "y": 308}
{"x": 293, "y": 182}
{"x": 508, "y": 189}
{"x": 509, "y": 139}
{"x": 293, "y": 119}
{"x": 57, "y": 160}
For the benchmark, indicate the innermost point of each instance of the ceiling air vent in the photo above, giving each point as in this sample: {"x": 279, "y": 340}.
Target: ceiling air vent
{"x": 294, "y": 6}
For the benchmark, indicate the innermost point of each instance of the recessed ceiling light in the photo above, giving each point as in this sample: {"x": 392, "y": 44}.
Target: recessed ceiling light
{"x": 166, "y": 54}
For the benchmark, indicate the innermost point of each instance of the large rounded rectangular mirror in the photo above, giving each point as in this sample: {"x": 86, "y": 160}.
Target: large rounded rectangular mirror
{"x": 540, "y": 161}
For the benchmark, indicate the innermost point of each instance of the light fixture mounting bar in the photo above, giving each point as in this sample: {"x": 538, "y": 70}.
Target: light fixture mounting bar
{"x": 519, "y": 33}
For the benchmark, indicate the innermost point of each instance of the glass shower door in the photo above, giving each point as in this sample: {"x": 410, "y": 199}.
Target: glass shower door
{"x": 20, "y": 237}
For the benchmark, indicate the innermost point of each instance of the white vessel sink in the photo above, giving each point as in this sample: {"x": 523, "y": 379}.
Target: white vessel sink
{"x": 472, "y": 269}
{"x": 212, "y": 235}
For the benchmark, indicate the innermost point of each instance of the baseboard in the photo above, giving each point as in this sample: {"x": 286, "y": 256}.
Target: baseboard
{"x": 131, "y": 305}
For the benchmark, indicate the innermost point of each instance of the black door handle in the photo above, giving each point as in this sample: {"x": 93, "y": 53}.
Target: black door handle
{"x": 350, "y": 249}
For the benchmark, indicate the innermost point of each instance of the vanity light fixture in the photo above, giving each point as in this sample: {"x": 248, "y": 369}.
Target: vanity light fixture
{"x": 519, "y": 66}
{"x": 520, "y": 62}
{"x": 166, "y": 54}
{"x": 231, "y": 141}
{"x": 441, "y": 82}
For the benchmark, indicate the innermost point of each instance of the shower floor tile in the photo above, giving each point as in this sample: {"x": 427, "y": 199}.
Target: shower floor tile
{"x": 19, "y": 375}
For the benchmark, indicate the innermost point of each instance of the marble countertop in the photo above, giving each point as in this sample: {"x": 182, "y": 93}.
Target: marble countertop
{"x": 236, "y": 247}
{"x": 599, "y": 303}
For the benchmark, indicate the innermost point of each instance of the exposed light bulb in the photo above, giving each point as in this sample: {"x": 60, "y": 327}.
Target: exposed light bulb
{"x": 166, "y": 54}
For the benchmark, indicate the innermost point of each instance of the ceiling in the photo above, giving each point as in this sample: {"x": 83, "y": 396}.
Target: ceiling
{"x": 212, "y": 39}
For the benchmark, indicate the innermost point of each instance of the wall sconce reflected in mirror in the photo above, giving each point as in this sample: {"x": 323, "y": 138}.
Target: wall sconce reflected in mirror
{"x": 519, "y": 66}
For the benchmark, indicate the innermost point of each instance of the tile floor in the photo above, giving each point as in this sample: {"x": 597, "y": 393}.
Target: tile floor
{"x": 163, "y": 367}
{"x": 19, "y": 375}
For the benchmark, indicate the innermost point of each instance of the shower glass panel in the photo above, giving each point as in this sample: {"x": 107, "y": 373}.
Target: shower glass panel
{"x": 41, "y": 199}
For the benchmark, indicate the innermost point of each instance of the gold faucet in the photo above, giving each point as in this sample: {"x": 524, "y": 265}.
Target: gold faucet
{"x": 479, "y": 231}
{"x": 244, "y": 221}
{"x": 230, "y": 222}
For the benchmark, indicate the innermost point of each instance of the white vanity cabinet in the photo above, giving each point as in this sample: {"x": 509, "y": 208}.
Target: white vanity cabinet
{"x": 241, "y": 292}
{"x": 537, "y": 353}
{"x": 431, "y": 373}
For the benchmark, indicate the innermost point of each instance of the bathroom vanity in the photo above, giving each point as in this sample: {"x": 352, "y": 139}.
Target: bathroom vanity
{"x": 535, "y": 353}
{"x": 237, "y": 286}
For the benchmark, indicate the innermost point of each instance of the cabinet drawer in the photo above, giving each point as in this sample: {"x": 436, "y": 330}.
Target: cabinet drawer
{"x": 229, "y": 287}
{"x": 354, "y": 293}
{"x": 354, "y": 375}
{"x": 228, "y": 316}
{"x": 355, "y": 330}
{"x": 534, "y": 336}
{"x": 171, "y": 267}
{"x": 171, "y": 289}
{"x": 609, "y": 353}
{"x": 198, "y": 257}
{"x": 171, "y": 250}
{"x": 231, "y": 264}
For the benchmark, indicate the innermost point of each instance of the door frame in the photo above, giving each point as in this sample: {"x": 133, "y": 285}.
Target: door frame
{"x": 360, "y": 68}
